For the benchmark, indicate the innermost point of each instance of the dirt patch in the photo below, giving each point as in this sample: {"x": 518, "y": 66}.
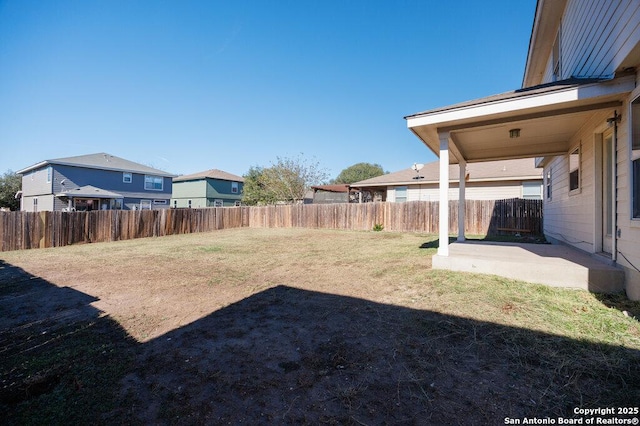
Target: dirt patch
{"x": 286, "y": 327}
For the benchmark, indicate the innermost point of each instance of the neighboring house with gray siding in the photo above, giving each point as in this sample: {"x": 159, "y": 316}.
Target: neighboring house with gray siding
{"x": 210, "y": 188}
{"x": 93, "y": 182}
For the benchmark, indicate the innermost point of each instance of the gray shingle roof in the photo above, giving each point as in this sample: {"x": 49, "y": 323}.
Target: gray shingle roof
{"x": 520, "y": 169}
{"x": 211, "y": 174}
{"x": 89, "y": 191}
{"x": 101, "y": 161}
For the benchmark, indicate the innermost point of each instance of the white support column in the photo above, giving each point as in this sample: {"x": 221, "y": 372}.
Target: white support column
{"x": 461, "y": 200}
{"x": 443, "y": 246}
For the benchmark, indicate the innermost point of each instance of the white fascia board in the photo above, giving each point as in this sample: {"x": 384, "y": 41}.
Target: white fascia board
{"x": 35, "y": 166}
{"x": 523, "y": 103}
{"x": 435, "y": 182}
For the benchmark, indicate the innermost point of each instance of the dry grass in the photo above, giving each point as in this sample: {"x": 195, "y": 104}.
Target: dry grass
{"x": 457, "y": 327}
{"x": 134, "y": 280}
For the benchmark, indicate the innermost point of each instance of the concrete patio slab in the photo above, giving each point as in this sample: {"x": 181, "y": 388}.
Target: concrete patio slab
{"x": 550, "y": 264}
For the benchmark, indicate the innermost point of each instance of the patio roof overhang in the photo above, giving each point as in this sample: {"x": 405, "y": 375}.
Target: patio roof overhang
{"x": 547, "y": 116}
{"x": 89, "y": 191}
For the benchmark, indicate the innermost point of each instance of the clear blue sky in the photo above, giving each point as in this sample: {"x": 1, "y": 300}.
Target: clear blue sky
{"x": 187, "y": 86}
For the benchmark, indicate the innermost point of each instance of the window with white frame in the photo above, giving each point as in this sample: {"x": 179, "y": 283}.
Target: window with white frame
{"x": 234, "y": 187}
{"x": 532, "y": 190}
{"x": 635, "y": 158}
{"x": 238, "y": 203}
{"x": 557, "y": 57}
{"x": 401, "y": 194}
{"x": 574, "y": 169}
{"x": 548, "y": 182}
{"x": 153, "y": 183}
{"x": 49, "y": 174}
{"x": 145, "y": 204}
{"x": 127, "y": 177}
{"x": 218, "y": 203}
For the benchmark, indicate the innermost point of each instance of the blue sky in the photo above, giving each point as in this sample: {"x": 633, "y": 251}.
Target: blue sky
{"x": 187, "y": 86}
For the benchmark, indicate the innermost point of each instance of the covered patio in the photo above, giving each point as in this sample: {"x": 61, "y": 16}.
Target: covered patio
{"x": 88, "y": 197}
{"x": 535, "y": 122}
{"x": 550, "y": 264}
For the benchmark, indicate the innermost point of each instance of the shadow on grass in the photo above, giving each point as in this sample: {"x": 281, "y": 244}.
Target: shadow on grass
{"x": 291, "y": 356}
{"x": 620, "y": 302}
{"x": 434, "y": 244}
{"x": 60, "y": 358}
{"x": 524, "y": 239}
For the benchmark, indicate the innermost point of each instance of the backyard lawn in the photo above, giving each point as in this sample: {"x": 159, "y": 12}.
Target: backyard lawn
{"x": 299, "y": 326}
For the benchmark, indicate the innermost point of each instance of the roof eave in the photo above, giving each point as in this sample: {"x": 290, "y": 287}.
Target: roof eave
{"x": 33, "y": 167}
{"x": 522, "y": 105}
{"x": 547, "y": 19}
{"x": 90, "y": 166}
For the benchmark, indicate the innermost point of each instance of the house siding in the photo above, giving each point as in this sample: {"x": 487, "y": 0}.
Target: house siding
{"x": 580, "y": 205}
{"x": 629, "y": 239}
{"x": 35, "y": 182}
{"x": 111, "y": 180}
{"x": 222, "y": 189}
{"x": 573, "y": 218}
{"x": 204, "y": 193}
{"x": 45, "y": 203}
{"x": 595, "y": 37}
{"x": 473, "y": 191}
{"x": 65, "y": 178}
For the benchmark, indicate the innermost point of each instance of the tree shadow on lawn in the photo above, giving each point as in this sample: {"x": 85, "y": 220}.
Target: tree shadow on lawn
{"x": 291, "y": 356}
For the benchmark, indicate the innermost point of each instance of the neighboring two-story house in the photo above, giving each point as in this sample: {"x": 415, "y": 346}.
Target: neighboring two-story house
{"x": 93, "y": 182}
{"x": 211, "y": 188}
{"x": 578, "y": 113}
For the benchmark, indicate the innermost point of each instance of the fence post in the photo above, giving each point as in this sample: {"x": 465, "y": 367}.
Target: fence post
{"x": 44, "y": 225}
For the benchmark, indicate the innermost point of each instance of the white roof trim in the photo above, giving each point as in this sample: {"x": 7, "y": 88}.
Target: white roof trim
{"x": 525, "y": 103}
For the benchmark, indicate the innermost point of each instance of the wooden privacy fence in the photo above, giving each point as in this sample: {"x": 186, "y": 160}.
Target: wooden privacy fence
{"x": 23, "y": 230}
{"x": 482, "y": 217}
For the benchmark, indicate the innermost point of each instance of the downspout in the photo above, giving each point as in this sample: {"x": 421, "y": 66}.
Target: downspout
{"x": 614, "y": 186}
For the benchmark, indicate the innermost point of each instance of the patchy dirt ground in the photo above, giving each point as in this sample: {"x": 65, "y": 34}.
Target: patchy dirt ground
{"x": 194, "y": 330}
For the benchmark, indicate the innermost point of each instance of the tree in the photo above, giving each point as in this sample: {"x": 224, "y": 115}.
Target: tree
{"x": 286, "y": 181}
{"x": 358, "y": 172}
{"x": 253, "y": 190}
{"x": 10, "y": 183}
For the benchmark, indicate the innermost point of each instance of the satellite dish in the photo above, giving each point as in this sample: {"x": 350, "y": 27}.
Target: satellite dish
{"x": 417, "y": 167}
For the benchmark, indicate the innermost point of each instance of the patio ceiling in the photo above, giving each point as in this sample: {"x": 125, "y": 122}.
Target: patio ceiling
{"x": 547, "y": 117}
